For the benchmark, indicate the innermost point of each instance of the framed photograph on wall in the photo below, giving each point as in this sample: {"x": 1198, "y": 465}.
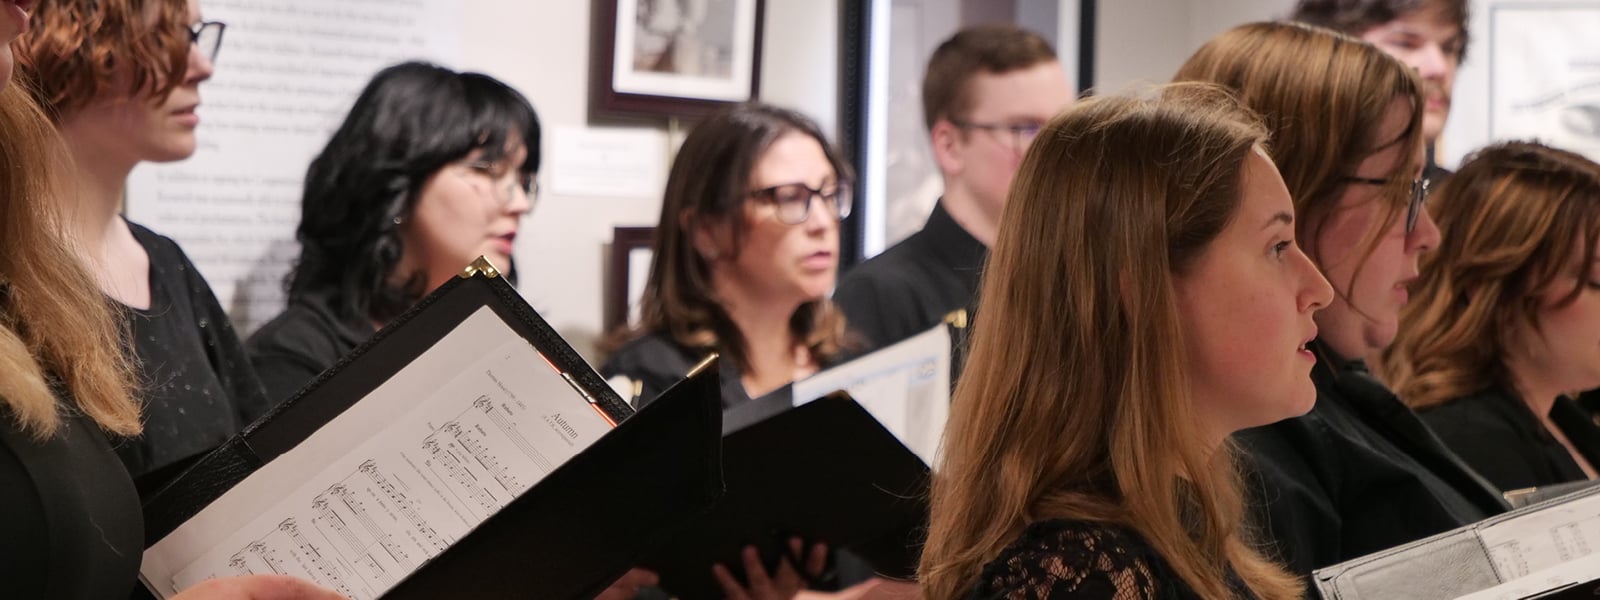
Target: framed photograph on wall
{"x": 676, "y": 57}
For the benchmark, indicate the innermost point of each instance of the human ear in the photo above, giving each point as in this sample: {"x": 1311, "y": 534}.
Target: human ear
{"x": 949, "y": 146}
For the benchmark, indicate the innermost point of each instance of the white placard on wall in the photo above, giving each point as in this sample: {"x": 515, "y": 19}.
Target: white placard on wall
{"x": 606, "y": 163}
{"x": 287, "y": 73}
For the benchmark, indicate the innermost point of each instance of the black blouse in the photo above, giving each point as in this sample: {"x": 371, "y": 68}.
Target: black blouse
{"x": 1082, "y": 560}
{"x": 71, "y": 526}
{"x": 1358, "y": 474}
{"x": 297, "y": 345}
{"x": 1496, "y": 433}
{"x": 654, "y": 362}
{"x": 198, "y": 389}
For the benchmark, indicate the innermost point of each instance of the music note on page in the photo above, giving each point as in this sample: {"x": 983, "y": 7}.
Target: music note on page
{"x": 373, "y": 516}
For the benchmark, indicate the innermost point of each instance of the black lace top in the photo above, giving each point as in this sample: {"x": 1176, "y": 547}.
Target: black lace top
{"x": 1082, "y": 560}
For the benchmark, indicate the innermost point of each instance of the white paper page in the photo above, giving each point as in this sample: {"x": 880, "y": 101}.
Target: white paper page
{"x": 1544, "y": 539}
{"x": 359, "y": 505}
{"x": 1578, "y": 571}
{"x": 906, "y": 387}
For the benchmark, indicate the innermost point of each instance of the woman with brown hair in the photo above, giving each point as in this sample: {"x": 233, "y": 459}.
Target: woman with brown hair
{"x": 1506, "y": 316}
{"x": 1360, "y": 472}
{"x": 1144, "y": 300}
{"x": 121, "y": 79}
{"x": 746, "y": 253}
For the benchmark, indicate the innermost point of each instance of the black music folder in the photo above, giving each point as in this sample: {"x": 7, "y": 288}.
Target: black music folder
{"x": 498, "y": 464}
{"x": 825, "y": 471}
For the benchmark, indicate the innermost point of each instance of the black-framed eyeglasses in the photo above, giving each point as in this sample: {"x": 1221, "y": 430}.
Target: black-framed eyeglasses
{"x": 1019, "y": 134}
{"x": 793, "y": 200}
{"x": 207, "y": 36}
{"x": 1419, "y": 195}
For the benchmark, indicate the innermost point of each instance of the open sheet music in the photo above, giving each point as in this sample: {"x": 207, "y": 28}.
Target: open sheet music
{"x": 395, "y": 480}
{"x": 1525, "y": 552}
{"x": 906, "y": 387}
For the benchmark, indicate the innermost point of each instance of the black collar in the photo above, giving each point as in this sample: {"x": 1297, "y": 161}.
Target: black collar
{"x": 951, "y": 243}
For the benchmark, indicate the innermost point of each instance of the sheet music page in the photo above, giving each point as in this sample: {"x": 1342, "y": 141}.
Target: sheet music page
{"x": 1578, "y": 571}
{"x": 906, "y": 387}
{"x": 466, "y": 428}
{"x": 1545, "y": 538}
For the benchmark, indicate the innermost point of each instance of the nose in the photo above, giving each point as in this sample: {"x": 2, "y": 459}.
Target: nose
{"x": 821, "y": 216}
{"x": 1426, "y": 235}
{"x": 520, "y": 203}
{"x": 1430, "y": 61}
{"x": 1317, "y": 292}
{"x": 200, "y": 66}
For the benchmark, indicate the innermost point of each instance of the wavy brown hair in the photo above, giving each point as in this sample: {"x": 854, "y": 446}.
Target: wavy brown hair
{"x": 57, "y": 331}
{"x": 1074, "y": 403}
{"x": 76, "y": 50}
{"x": 1514, "y": 218}
{"x": 710, "y": 181}
{"x": 1322, "y": 95}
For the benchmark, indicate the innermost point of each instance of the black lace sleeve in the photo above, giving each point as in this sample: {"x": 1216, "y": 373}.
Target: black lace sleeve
{"x": 1067, "y": 559}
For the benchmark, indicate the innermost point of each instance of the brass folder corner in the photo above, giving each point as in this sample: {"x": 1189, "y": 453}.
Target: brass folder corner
{"x": 480, "y": 266}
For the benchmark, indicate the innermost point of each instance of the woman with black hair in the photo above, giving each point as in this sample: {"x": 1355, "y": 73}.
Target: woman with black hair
{"x": 431, "y": 169}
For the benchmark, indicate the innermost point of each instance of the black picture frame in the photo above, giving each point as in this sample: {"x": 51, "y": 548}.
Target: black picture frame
{"x": 619, "y": 295}
{"x": 730, "y": 51}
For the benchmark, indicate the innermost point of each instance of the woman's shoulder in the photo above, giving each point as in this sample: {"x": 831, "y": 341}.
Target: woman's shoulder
{"x": 1070, "y": 558}
{"x": 1487, "y": 412}
{"x": 650, "y": 353}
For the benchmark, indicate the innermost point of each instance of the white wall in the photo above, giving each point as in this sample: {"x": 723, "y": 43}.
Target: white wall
{"x": 542, "y": 48}
{"x": 1145, "y": 41}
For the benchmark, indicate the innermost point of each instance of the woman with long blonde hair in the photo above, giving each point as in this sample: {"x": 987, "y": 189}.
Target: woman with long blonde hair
{"x": 1144, "y": 300}
{"x": 1505, "y": 317}
{"x": 1360, "y": 473}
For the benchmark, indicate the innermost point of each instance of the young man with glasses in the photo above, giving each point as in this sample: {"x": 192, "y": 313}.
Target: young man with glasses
{"x": 1428, "y": 35}
{"x": 986, "y": 93}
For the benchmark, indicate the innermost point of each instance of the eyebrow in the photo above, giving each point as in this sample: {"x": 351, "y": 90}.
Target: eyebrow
{"x": 1282, "y": 217}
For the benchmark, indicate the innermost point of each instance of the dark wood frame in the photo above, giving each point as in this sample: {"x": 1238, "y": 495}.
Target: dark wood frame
{"x": 624, "y": 240}
{"x": 606, "y": 99}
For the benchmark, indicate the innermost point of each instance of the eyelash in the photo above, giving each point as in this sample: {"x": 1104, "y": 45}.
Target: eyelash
{"x": 1279, "y": 248}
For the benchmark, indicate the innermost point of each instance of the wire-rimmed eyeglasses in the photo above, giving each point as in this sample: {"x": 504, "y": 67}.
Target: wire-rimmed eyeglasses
{"x": 1019, "y": 134}
{"x": 1419, "y": 195}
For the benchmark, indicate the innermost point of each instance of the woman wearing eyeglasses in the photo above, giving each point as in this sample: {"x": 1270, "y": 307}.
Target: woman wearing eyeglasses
{"x": 121, "y": 80}
{"x": 746, "y": 253}
{"x": 1506, "y": 314}
{"x": 430, "y": 170}
{"x": 1360, "y": 472}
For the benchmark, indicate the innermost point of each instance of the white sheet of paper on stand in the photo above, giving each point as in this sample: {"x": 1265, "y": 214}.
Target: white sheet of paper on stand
{"x": 397, "y": 478}
{"x": 906, "y": 387}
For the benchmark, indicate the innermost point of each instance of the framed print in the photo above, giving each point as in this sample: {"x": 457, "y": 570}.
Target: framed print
{"x": 676, "y": 57}
{"x": 631, "y": 253}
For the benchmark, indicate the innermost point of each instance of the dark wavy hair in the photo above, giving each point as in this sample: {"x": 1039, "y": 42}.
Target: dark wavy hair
{"x": 411, "y": 120}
